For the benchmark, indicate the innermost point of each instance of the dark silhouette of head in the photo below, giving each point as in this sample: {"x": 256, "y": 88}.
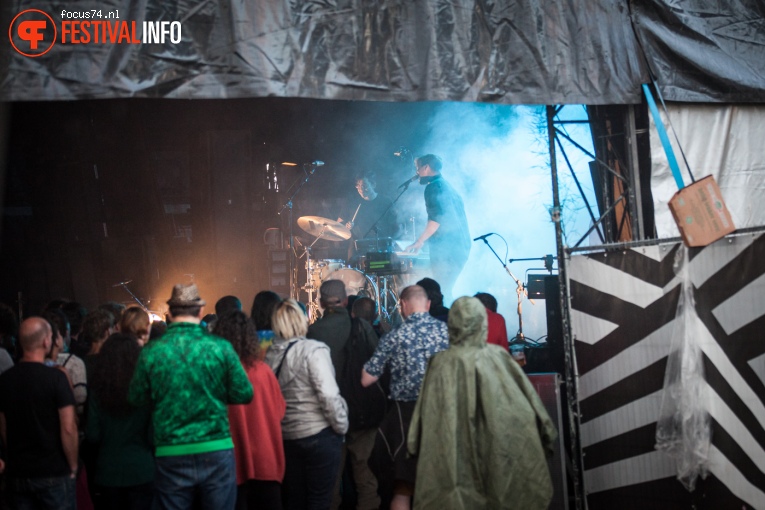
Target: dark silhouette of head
{"x": 433, "y": 288}
{"x": 76, "y": 313}
{"x": 488, "y": 300}
{"x": 235, "y": 327}
{"x": 114, "y": 308}
{"x": 365, "y": 308}
{"x": 112, "y": 371}
{"x": 263, "y": 307}
{"x": 227, "y": 304}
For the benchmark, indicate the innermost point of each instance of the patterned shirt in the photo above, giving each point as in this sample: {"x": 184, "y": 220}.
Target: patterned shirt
{"x": 406, "y": 350}
{"x": 188, "y": 376}
{"x": 75, "y": 367}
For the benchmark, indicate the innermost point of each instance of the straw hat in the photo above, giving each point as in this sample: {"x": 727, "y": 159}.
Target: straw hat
{"x": 186, "y": 294}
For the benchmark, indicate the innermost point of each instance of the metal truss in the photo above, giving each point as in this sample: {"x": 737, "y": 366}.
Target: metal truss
{"x": 614, "y": 170}
{"x": 618, "y": 219}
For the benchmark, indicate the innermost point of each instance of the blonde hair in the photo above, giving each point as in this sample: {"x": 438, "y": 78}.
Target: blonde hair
{"x": 135, "y": 321}
{"x": 288, "y": 320}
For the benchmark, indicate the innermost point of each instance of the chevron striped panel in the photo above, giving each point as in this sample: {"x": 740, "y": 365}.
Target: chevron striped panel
{"x": 623, "y": 308}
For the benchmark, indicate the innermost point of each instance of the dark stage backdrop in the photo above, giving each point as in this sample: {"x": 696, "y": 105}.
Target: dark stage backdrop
{"x": 161, "y": 192}
{"x": 531, "y": 52}
{"x": 623, "y": 314}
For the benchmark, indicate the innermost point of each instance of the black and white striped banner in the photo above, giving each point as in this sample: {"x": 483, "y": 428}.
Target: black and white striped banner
{"x": 623, "y": 307}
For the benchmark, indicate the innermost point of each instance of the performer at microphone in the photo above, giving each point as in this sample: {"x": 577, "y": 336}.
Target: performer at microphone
{"x": 447, "y": 230}
{"x": 363, "y": 215}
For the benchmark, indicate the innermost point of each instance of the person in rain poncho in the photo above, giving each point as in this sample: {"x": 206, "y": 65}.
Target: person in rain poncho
{"x": 480, "y": 431}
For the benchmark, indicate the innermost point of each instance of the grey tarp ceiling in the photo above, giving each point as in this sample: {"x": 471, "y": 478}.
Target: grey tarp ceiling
{"x": 533, "y": 51}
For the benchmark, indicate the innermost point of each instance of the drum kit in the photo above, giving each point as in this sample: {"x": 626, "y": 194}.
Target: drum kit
{"x": 374, "y": 275}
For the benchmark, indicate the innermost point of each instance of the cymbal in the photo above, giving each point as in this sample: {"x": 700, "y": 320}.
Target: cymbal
{"x": 324, "y": 228}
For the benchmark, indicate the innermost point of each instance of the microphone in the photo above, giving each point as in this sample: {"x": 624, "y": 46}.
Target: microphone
{"x": 317, "y": 163}
{"x": 409, "y": 181}
{"x": 483, "y": 236}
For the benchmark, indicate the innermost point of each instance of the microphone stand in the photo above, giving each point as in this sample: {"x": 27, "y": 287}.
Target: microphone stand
{"x": 288, "y": 205}
{"x": 374, "y": 225}
{"x": 520, "y": 291}
{"x": 140, "y": 303}
{"x": 382, "y": 298}
{"x": 409, "y": 161}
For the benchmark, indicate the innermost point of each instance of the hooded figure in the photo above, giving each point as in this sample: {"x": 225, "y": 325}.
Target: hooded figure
{"x": 479, "y": 429}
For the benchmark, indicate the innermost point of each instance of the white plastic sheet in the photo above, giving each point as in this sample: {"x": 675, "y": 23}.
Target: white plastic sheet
{"x": 723, "y": 141}
{"x": 684, "y": 429}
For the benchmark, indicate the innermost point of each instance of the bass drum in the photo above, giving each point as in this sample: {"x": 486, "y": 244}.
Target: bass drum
{"x": 320, "y": 269}
{"x": 356, "y": 282}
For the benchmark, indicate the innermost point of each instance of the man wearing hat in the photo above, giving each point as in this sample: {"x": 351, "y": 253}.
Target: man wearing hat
{"x": 334, "y": 329}
{"x": 187, "y": 377}
{"x": 335, "y": 325}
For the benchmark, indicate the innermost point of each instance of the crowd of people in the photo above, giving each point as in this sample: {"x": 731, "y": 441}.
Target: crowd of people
{"x": 104, "y": 409}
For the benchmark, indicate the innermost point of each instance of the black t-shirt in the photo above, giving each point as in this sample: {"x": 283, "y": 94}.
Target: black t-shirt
{"x": 31, "y": 395}
{"x": 445, "y": 207}
{"x": 369, "y": 212}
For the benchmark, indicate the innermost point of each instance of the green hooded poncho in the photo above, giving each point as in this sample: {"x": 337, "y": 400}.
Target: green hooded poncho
{"x": 479, "y": 429}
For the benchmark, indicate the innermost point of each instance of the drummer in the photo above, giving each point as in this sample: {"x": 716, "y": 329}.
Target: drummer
{"x": 364, "y": 213}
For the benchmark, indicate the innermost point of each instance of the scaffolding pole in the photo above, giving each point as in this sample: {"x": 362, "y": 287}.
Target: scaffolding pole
{"x": 570, "y": 369}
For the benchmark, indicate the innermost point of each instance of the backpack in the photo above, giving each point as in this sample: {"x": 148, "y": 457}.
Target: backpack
{"x": 366, "y": 406}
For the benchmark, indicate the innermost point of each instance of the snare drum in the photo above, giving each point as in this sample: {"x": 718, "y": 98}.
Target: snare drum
{"x": 356, "y": 282}
{"x": 320, "y": 269}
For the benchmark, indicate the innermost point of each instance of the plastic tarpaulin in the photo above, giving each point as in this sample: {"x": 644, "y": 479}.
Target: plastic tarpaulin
{"x": 530, "y": 52}
{"x": 704, "y": 50}
{"x": 723, "y": 141}
{"x": 684, "y": 427}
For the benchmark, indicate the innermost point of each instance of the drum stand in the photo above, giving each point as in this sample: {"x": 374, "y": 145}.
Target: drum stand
{"x": 288, "y": 205}
{"x": 313, "y": 306}
{"x": 387, "y": 299}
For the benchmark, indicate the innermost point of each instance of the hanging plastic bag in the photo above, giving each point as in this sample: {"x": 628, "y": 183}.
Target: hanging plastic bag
{"x": 684, "y": 428}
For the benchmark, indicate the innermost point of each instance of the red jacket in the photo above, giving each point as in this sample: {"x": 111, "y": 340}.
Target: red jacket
{"x": 497, "y": 329}
{"x": 256, "y": 428}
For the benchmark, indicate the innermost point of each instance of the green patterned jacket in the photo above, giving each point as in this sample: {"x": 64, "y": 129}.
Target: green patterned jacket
{"x": 187, "y": 377}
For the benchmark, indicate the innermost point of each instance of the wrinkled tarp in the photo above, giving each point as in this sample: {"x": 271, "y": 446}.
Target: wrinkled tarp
{"x": 723, "y": 141}
{"x": 532, "y": 52}
{"x": 704, "y": 50}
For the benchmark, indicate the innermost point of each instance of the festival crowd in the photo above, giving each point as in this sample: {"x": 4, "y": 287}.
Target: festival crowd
{"x": 105, "y": 409}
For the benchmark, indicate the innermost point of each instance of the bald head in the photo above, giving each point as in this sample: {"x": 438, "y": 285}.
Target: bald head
{"x": 414, "y": 299}
{"x": 32, "y": 334}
